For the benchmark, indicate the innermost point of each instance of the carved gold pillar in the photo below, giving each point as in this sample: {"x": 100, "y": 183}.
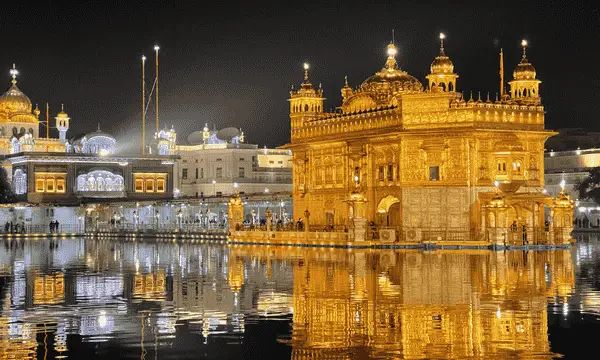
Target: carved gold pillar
{"x": 359, "y": 220}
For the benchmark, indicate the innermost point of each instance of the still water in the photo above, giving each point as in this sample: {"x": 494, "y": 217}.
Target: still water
{"x": 97, "y": 299}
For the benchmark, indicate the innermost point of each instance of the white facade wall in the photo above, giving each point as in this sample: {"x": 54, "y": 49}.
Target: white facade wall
{"x": 254, "y": 170}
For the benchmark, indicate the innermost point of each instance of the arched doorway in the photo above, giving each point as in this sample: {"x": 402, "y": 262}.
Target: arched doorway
{"x": 389, "y": 211}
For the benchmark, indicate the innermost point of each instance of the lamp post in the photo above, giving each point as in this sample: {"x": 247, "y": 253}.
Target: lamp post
{"x": 214, "y": 182}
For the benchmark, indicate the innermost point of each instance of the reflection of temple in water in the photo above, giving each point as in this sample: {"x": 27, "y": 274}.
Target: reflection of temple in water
{"x": 423, "y": 305}
{"x": 342, "y": 304}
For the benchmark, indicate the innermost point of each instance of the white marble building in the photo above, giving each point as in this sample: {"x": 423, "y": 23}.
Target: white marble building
{"x": 215, "y": 162}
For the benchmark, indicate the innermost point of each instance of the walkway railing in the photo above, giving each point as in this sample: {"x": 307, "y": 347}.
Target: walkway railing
{"x": 161, "y": 228}
{"x": 44, "y": 229}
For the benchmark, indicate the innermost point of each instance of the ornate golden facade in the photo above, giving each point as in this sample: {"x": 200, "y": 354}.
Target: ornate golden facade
{"x": 421, "y": 158}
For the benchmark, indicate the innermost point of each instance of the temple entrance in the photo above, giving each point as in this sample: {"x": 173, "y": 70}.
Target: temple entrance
{"x": 393, "y": 215}
{"x": 389, "y": 211}
{"x": 329, "y": 219}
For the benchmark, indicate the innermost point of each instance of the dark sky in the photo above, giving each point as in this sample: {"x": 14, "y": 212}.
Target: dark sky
{"x": 232, "y": 63}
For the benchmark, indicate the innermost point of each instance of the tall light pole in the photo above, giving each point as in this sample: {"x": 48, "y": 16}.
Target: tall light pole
{"x": 214, "y": 182}
{"x": 143, "y": 105}
{"x": 156, "y": 50}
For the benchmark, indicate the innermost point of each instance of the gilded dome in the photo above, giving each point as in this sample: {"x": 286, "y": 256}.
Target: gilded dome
{"x": 524, "y": 71}
{"x": 396, "y": 81}
{"x": 15, "y": 102}
{"x": 391, "y": 78}
{"x": 442, "y": 64}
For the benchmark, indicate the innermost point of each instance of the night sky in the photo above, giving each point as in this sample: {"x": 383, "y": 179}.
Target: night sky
{"x": 232, "y": 64}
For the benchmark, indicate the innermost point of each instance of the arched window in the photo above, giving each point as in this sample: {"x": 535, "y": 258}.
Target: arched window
{"x": 20, "y": 182}
{"x": 517, "y": 167}
{"x": 31, "y": 131}
{"x": 443, "y": 86}
{"x": 22, "y": 131}
{"x": 100, "y": 180}
{"x": 450, "y": 87}
{"x": 306, "y": 107}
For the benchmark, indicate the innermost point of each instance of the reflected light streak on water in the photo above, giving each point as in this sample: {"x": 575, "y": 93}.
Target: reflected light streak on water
{"x": 98, "y": 299}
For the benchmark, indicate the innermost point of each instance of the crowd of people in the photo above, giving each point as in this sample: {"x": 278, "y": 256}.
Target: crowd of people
{"x": 14, "y": 228}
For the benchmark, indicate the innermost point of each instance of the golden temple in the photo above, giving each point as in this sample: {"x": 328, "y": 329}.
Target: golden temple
{"x": 415, "y": 159}
{"x": 20, "y": 123}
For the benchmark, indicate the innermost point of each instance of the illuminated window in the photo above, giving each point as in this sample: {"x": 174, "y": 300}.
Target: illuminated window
{"x": 139, "y": 185}
{"x": 60, "y": 185}
{"x": 50, "y": 182}
{"x": 381, "y": 173}
{"x": 150, "y": 182}
{"x": 50, "y": 185}
{"x": 160, "y": 185}
{"x": 517, "y": 168}
{"x": 434, "y": 173}
{"x": 150, "y": 185}
{"x": 184, "y": 174}
{"x": 39, "y": 185}
{"x": 390, "y": 172}
{"x": 501, "y": 166}
{"x": 196, "y": 173}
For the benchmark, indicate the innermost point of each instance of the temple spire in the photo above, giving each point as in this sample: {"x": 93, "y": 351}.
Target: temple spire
{"x": 14, "y": 72}
{"x": 306, "y": 67}
{"x": 442, "y": 37}
{"x": 524, "y": 46}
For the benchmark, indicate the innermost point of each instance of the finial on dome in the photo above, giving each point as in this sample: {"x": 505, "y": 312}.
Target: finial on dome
{"x": 306, "y": 67}
{"x": 345, "y": 80}
{"x": 393, "y": 36}
{"x": 524, "y": 46}
{"x": 62, "y": 108}
{"x": 391, "y": 60}
{"x": 14, "y": 72}
{"x": 98, "y": 126}
{"x": 442, "y": 37}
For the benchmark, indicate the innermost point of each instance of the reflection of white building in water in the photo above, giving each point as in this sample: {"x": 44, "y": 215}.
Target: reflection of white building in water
{"x": 214, "y": 161}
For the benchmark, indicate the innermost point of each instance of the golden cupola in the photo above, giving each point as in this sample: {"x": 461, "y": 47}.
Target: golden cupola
{"x": 391, "y": 80}
{"x": 346, "y": 90}
{"x": 306, "y": 103}
{"x": 525, "y": 87}
{"x": 442, "y": 76}
{"x": 15, "y": 106}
